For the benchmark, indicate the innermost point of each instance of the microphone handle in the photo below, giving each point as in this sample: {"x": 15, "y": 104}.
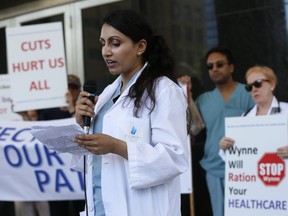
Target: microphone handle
{"x": 87, "y": 119}
{"x": 86, "y": 129}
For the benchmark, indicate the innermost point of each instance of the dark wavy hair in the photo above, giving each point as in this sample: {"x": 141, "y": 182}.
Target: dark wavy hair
{"x": 223, "y": 50}
{"x": 157, "y": 54}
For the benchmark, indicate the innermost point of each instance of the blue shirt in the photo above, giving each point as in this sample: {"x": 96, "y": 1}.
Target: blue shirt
{"x": 213, "y": 110}
{"x": 98, "y": 125}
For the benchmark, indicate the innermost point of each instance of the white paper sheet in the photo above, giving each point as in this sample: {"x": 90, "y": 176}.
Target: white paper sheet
{"x": 60, "y": 138}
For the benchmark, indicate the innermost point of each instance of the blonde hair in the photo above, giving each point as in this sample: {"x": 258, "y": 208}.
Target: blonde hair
{"x": 266, "y": 71}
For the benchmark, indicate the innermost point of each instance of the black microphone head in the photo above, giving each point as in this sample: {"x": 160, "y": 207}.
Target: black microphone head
{"x": 90, "y": 86}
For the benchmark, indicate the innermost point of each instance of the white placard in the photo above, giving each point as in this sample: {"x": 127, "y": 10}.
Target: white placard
{"x": 186, "y": 178}
{"x": 6, "y": 112}
{"x": 5, "y": 100}
{"x": 256, "y": 179}
{"x": 37, "y": 67}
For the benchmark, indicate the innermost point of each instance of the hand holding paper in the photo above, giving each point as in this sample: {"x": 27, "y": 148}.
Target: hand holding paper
{"x": 60, "y": 138}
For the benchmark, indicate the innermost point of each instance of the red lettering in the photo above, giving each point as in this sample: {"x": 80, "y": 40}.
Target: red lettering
{"x": 56, "y": 63}
{"x": 230, "y": 177}
{"x": 28, "y": 66}
{"x": 35, "y": 45}
{"x": 39, "y": 85}
{"x": 61, "y": 62}
{"x": 23, "y": 47}
{"x": 47, "y": 44}
{"x": 16, "y": 67}
{"x": 33, "y": 86}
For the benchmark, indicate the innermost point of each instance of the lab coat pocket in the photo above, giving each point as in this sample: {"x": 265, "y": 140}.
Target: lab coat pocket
{"x": 136, "y": 130}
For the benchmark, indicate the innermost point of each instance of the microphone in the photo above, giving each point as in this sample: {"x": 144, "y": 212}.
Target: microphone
{"x": 91, "y": 87}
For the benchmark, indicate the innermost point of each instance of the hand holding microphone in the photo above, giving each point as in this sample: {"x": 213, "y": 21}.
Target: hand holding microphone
{"x": 91, "y": 87}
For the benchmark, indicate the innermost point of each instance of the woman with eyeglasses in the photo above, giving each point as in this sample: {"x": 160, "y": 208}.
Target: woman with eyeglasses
{"x": 261, "y": 83}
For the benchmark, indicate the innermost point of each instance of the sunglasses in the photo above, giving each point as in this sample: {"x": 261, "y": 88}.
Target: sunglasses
{"x": 256, "y": 84}
{"x": 218, "y": 64}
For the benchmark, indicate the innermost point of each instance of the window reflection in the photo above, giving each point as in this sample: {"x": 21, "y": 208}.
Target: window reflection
{"x": 256, "y": 32}
{"x": 180, "y": 22}
{"x": 94, "y": 66}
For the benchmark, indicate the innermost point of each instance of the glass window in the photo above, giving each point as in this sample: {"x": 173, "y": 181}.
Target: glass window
{"x": 55, "y": 18}
{"x": 94, "y": 66}
{"x": 172, "y": 19}
{"x": 255, "y": 31}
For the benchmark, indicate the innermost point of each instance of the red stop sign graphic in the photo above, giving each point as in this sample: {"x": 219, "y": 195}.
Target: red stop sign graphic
{"x": 271, "y": 169}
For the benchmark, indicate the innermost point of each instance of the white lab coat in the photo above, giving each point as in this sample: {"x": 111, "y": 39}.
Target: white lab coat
{"x": 147, "y": 184}
{"x": 275, "y": 104}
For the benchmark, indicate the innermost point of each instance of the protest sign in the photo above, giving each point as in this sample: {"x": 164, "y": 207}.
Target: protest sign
{"x": 255, "y": 177}
{"x": 186, "y": 178}
{"x": 6, "y": 112}
{"x": 30, "y": 171}
{"x": 37, "y": 67}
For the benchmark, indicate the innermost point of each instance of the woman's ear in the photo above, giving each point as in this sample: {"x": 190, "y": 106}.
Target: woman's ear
{"x": 272, "y": 86}
{"x": 141, "y": 46}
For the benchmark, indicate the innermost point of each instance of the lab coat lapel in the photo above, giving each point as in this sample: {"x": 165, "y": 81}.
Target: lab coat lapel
{"x": 126, "y": 91}
{"x": 106, "y": 95}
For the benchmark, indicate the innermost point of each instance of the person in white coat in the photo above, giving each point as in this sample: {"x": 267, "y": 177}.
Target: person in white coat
{"x": 139, "y": 131}
{"x": 261, "y": 83}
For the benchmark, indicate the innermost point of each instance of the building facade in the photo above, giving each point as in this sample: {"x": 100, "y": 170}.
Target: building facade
{"x": 255, "y": 31}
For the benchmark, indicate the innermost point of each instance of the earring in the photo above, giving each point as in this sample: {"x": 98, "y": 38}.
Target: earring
{"x": 139, "y": 53}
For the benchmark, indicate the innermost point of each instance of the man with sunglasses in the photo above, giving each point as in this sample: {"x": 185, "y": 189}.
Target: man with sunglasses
{"x": 228, "y": 99}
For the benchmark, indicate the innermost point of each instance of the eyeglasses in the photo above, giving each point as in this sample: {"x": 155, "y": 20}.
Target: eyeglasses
{"x": 219, "y": 64}
{"x": 256, "y": 84}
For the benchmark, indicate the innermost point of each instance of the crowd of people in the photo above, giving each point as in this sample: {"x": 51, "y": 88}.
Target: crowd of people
{"x": 138, "y": 144}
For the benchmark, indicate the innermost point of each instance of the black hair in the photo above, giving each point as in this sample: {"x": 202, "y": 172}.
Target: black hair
{"x": 223, "y": 50}
{"x": 157, "y": 54}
